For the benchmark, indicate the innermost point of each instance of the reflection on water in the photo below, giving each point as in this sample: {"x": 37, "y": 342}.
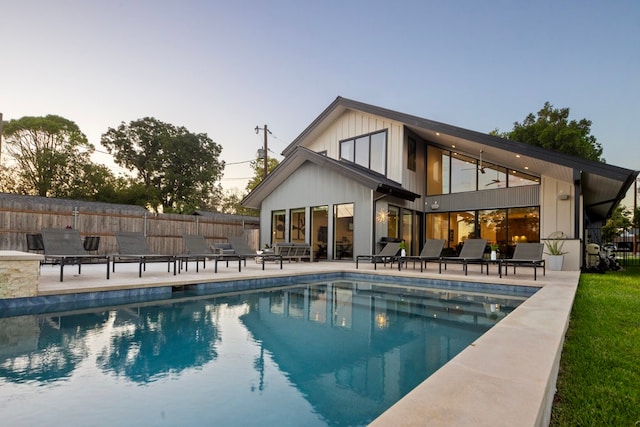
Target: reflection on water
{"x": 337, "y": 353}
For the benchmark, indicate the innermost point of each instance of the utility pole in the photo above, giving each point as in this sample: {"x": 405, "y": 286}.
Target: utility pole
{"x": 264, "y": 148}
{"x": 0, "y": 138}
{"x": 634, "y": 249}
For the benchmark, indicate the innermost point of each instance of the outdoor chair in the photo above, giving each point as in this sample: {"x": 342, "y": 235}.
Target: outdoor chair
{"x": 431, "y": 251}
{"x": 197, "y": 249}
{"x": 133, "y": 247}
{"x": 293, "y": 251}
{"x": 34, "y": 243}
{"x": 526, "y": 255}
{"x": 243, "y": 251}
{"x": 64, "y": 246}
{"x": 386, "y": 254}
{"x": 472, "y": 252}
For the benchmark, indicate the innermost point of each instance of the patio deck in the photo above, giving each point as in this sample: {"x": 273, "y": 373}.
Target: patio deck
{"x": 507, "y": 377}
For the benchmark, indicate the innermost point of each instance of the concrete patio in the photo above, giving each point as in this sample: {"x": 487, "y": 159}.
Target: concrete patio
{"x": 506, "y": 377}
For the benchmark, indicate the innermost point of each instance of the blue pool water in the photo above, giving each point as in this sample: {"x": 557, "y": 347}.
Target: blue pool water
{"x": 337, "y": 353}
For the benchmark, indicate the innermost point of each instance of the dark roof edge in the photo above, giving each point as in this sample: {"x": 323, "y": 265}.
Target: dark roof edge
{"x": 600, "y": 168}
{"x": 289, "y": 148}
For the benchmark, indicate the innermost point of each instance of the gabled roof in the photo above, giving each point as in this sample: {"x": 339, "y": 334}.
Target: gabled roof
{"x": 300, "y": 155}
{"x": 603, "y": 185}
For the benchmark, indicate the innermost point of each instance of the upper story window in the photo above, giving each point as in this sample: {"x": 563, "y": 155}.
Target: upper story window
{"x": 369, "y": 151}
{"x": 451, "y": 172}
{"x": 411, "y": 154}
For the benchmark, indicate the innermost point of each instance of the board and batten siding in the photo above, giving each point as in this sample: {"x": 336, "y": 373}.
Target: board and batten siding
{"x": 355, "y": 123}
{"x": 302, "y": 190}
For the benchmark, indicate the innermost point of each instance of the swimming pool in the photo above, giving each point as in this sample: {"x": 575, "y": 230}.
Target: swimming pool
{"x": 336, "y": 353}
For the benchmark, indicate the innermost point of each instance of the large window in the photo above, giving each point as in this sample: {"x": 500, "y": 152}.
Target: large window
{"x": 519, "y": 179}
{"x": 369, "y": 151}
{"x": 493, "y": 227}
{"x": 506, "y": 227}
{"x": 319, "y": 231}
{"x": 277, "y": 226}
{"x": 464, "y": 170}
{"x": 411, "y": 154}
{"x": 438, "y": 164}
{"x": 492, "y": 176}
{"x": 407, "y": 231}
{"x": 451, "y": 172}
{"x": 393, "y": 222}
{"x": 297, "y": 226}
{"x": 343, "y": 222}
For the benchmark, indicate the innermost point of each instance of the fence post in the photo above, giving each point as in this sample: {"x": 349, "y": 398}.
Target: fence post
{"x": 75, "y": 217}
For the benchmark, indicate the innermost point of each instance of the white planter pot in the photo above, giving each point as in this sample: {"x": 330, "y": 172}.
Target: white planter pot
{"x": 494, "y": 255}
{"x": 403, "y": 253}
{"x": 554, "y": 262}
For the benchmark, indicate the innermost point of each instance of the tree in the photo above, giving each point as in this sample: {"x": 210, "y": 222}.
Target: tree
{"x": 551, "y": 129}
{"x": 48, "y": 153}
{"x": 258, "y": 171}
{"x": 231, "y": 204}
{"x": 178, "y": 167}
{"x": 620, "y": 221}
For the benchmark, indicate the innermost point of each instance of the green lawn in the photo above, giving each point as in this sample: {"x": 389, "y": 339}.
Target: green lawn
{"x": 599, "y": 380}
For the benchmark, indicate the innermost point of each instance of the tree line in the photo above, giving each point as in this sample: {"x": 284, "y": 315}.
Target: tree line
{"x": 171, "y": 169}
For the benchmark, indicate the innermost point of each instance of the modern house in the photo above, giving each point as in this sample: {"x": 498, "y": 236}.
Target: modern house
{"x": 360, "y": 175}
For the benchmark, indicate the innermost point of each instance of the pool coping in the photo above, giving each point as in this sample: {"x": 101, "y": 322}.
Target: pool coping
{"x": 506, "y": 377}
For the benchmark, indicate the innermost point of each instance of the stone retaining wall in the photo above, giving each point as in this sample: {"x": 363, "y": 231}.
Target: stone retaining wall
{"x": 19, "y": 274}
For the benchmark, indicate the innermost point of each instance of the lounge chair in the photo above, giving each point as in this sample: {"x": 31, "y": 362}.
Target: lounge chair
{"x": 387, "y": 253}
{"x": 197, "y": 249}
{"x": 133, "y": 246}
{"x": 431, "y": 251}
{"x": 293, "y": 251}
{"x": 242, "y": 249}
{"x": 472, "y": 252}
{"x": 64, "y": 246}
{"x": 526, "y": 255}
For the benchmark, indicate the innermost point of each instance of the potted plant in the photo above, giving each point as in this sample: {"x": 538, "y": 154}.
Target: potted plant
{"x": 494, "y": 250}
{"x": 403, "y": 249}
{"x": 555, "y": 252}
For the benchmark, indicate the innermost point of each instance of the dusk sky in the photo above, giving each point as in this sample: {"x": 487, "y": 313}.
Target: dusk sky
{"x": 223, "y": 68}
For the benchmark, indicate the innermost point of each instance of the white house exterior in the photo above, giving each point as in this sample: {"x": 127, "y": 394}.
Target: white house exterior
{"x": 360, "y": 174}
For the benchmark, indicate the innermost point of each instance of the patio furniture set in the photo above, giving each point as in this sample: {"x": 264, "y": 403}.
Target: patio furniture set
{"x": 66, "y": 247}
{"x": 472, "y": 252}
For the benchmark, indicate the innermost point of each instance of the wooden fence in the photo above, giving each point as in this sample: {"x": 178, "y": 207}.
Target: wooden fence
{"x": 22, "y": 215}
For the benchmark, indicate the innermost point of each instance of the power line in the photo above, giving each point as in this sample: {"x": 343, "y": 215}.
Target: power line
{"x": 238, "y": 163}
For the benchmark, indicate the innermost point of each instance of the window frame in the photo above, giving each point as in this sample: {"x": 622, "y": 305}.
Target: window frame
{"x": 358, "y": 149}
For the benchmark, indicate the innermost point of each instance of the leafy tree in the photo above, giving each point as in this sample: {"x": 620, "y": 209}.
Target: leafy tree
{"x": 48, "y": 153}
{"x": 620, "y": 221}
{"x": 8, "y": 181}
{"x": 257, "y": 166}
{"x": 231, "y": 204}
{"x": 179, "y": 168}
{"x": 552, "y": 129}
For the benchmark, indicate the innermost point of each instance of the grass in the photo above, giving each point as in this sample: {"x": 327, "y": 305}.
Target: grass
{"x": 599, "y": 379}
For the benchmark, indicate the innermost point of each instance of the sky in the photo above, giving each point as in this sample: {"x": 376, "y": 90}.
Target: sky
{"x": 224, "y": 67}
